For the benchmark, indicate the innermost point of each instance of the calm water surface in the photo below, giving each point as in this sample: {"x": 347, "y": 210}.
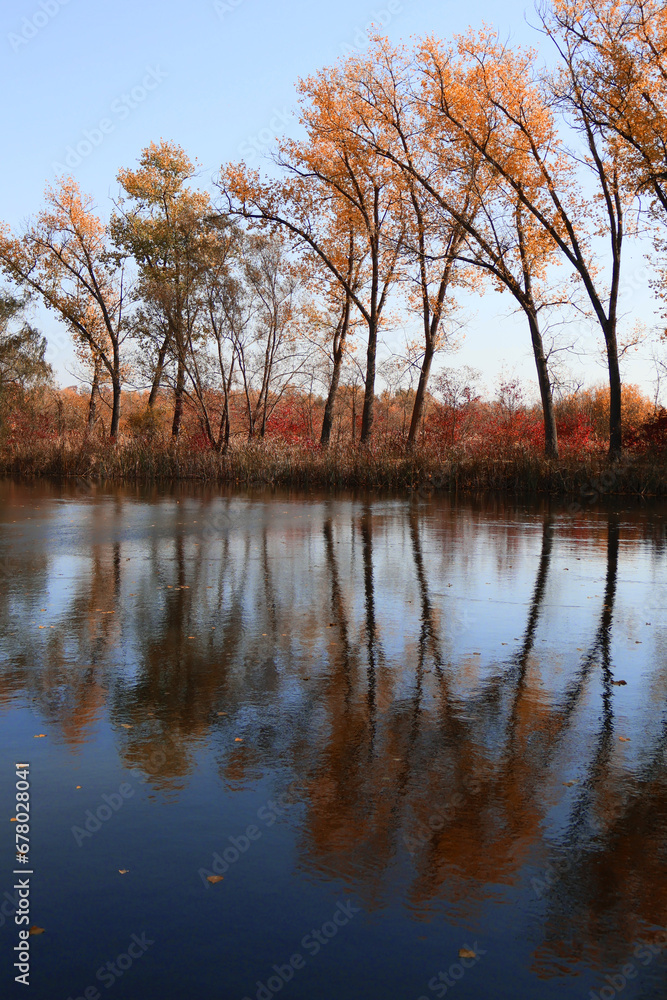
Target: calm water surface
{"x": 396, "y": 727}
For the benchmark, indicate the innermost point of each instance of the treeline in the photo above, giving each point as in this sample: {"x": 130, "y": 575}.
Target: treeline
{"x": 451, "y": 165}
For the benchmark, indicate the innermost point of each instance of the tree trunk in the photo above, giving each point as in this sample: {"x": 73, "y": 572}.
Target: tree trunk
{"x": 420, "y": 396}
{"x": 92, "y": 403}
{"x": 228, "y": 388}
{"x": 615, "y": 399}
{"x": 354, "y": 414}
{"x": 550, "y": 430}
{"x": 338, "y": 351}
{"x": 208, "y": 430}
{"x": 115, "y": 410}
{"x": 178, "y": 400}
{"x": 327, "y": 419}
{"x": 157, "y": 378}
{"x": 369, "y": 388}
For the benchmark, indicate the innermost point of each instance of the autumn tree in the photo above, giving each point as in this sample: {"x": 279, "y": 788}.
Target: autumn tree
{"x": 527, "y": 152}
{"x": 160, "y": 222}
{"x": 23, "y": 366}
{"x": 330, "y": 319}
{"x": 331, "y": 175}
{"x": 225, "y": 320}
{"x": 461, "y": 215}
{"x": 64, "y": 256}
{"x": 267, "y": 359}
{"x": 432, "y": 239}
{"x": 620, "y": 51}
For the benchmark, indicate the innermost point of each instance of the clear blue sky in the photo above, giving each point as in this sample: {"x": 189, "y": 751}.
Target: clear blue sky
{"x": 218, "y": 78}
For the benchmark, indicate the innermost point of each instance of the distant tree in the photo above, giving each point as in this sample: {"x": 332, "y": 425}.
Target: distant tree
{"x": 23, "y": 366}
{"x": 161, "y": 223}
{"x": 64, "y": 256}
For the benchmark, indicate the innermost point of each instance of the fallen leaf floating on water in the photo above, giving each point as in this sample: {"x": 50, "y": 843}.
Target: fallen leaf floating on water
{"x": 619, "y": 683}
{"x": 214, "y": 878}
{"x": 40, "y": 736}
{"x": 123, "y": 871}
{"x": 466, "y": 953}
{"x": 624, "y": 739}
{"x": 36, "y": 930}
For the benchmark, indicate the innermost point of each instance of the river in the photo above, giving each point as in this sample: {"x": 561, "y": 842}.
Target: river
{"x": 334, "y": 746}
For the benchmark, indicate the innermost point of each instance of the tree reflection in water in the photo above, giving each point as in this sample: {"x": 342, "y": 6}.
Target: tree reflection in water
{"x": 355, "y": 642}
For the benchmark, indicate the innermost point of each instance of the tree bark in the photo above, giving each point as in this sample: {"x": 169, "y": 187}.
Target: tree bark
{"x": 92, "y": 403}
{"x": 369, "y": 387}
{"x": 178, "y": 400}
{"x": 115, "y": 410}
{"x": 615, "y": 397}
{"x": 420, "y": 395}
{"x": 550, "y": 430}
{"x": 338, "y": 352}
{"x": 157, "y": 378}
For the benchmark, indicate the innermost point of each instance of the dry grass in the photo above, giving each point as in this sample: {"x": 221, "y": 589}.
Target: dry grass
{"x": 277, "y": 463}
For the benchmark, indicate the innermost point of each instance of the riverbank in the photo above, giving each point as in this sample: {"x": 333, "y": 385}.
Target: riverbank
{"x": 282, "y": 464}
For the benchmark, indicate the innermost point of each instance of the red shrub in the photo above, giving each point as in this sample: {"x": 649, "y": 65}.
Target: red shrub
{"x": 649, "y": 436}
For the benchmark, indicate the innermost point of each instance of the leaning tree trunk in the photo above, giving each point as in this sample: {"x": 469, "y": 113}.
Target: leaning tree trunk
{"x": 159, "y": 368}
{"x": 420, "y": 396}
{"x": 327, "y": 419}
{"x": 550, "y": 430}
